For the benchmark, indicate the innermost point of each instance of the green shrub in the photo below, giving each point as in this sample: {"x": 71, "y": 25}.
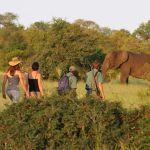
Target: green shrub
{"x": 64, "y": 123}
{"x": 7, "y": 55}
{"x": 111, "y": 75}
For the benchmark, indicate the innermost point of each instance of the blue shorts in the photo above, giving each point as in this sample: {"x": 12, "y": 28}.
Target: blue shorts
{"x": 13, "y": 95}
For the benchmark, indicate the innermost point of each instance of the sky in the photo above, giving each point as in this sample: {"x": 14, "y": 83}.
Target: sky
{"x": 115, "y": 14}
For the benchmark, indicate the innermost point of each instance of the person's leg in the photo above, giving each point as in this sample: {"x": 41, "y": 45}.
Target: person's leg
{"x": 88, "y": 92}
{"x": 33, "y": 95}
{"x": 9, "y": 94}
{"x": 13, "y": 95}
{"x": 38, "y": 95}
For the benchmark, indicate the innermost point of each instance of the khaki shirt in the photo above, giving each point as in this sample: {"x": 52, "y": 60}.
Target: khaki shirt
{"x": 90, "y": 79}
{"x": 72, "y": 80}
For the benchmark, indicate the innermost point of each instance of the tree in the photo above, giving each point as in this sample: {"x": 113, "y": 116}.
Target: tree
{"x": 143, "y": 31}
{"x": 145, "y": 46}
{"x": 37, "y": 36}
{"x": 40, "y": 25}
{"x": 11, "y": 38}
{"x": 68, "y": 44}
{"x": 131, "y": 44}
{"x": 11, "y": 35}
{"x": 118, "y": 37}
{"x": 106, "y": 31}
{"x": 7, "y": 18}
{"x": 87, "y": 24}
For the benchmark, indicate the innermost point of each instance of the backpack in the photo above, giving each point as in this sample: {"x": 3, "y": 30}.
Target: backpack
{"x": 63, "y": 85}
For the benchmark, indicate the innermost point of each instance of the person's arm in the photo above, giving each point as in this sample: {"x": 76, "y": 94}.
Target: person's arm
{"x": 40, "y": 84}
{"x": 26, "y": 76}
{"x": 23, "y": 85}
{"x": 102, "y": 90}
{"x": 100, "y": 85}
{"x": 75, "y": 83}
{"x": 3, "y": 85}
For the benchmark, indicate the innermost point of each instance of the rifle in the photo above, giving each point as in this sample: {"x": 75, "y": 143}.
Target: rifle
{"x": 97, "y": 87}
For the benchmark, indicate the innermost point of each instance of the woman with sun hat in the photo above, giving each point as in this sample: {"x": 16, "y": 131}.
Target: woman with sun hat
{"x": 13, "y": 76}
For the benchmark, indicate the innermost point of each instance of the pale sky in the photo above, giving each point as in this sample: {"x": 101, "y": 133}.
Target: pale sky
{"x": 115, "y": 14}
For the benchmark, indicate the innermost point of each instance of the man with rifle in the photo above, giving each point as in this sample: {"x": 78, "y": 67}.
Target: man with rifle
{"x": 94, "y": 81}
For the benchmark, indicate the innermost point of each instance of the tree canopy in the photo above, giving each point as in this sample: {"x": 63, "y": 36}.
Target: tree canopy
{"x": 58, "y": 42}
{"x": 143, "y": 31}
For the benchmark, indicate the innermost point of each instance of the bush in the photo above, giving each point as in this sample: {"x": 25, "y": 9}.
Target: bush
{"x": 64, "y": 123}
{"x": 111, "y": 75}
{"x": 7, "y": 55}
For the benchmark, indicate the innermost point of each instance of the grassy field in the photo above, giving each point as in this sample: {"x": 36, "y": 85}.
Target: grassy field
{"x": 133, "y": 95}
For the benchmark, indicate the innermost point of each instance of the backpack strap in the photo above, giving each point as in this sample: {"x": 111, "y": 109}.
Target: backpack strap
{"x": 95, "y": 74}
{"x": 69, "y": 78}
{"x": 96, "y": 84}
{"x": 95, "y": 77}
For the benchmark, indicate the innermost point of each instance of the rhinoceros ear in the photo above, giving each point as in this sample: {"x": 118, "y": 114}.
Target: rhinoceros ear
{"x": 121, "y": 57}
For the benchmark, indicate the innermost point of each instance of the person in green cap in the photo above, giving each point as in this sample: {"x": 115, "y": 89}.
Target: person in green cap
{"x": 94, "y": 81}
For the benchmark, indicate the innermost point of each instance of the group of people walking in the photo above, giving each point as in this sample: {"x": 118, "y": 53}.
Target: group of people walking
{"x": 31, "y": 82}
